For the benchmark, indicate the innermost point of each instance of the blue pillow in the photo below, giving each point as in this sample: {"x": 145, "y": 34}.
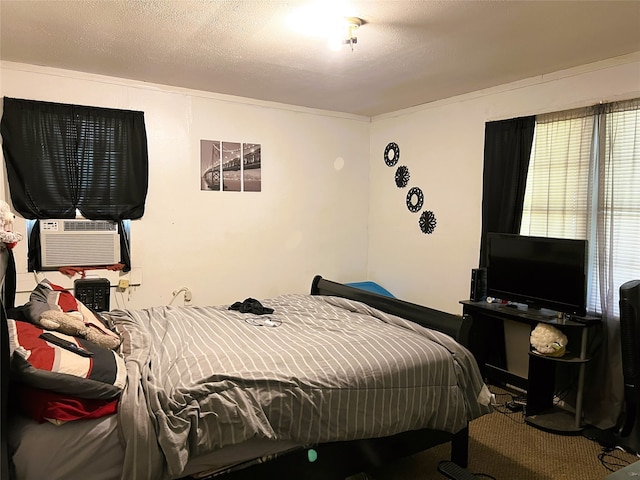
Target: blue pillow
{"x": 372, "y": 287}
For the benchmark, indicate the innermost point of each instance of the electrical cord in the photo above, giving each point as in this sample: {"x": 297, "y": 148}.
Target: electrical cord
{"x": 562, "y": 394}
{"x": 187, "y": 295}
{"x": 610, "y": 461}
{"x": 263, "y": 321}
{"x": 516, "y": 415}
{"x": 607, "y": 457}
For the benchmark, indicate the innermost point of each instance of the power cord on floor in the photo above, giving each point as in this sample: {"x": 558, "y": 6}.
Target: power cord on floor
{"x": 608, "y": 441}
{"x": 610, "y": 461}
{"x": 510, "y": 405}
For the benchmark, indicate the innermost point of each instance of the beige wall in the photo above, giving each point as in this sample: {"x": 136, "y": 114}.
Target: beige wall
{"x": 310, "y": 218}
{"x": 442, "y": 145}
{"x": 313, "y": 216}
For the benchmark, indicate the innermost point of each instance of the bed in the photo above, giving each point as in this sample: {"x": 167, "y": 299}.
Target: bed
{"x": 323, "y": 386}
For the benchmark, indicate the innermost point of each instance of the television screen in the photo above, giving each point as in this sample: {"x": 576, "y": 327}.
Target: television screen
{"x": 540, "y": 272}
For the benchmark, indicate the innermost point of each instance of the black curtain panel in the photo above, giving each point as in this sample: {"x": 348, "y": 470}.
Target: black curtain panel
{"x": 10, "y": 279}
{"x": 507, "y": 148}
{"x": 34, "y": 254}
{"x": 62, "y": 157}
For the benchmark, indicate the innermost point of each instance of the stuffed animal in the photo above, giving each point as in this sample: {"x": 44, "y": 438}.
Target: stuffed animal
{"x": 54, "y": 308}
{"x": 548, "y": 340}
{"x": 72, "y": 323}
{"x": 7, "y": 236}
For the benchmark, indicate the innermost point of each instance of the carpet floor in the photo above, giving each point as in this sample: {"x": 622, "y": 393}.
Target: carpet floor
{"x": 503, "y": 447}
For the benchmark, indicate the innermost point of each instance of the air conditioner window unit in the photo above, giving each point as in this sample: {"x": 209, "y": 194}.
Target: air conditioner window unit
{"x": 79, "y": 243}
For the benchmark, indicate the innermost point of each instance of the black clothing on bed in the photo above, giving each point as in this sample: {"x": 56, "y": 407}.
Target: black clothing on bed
{"x": 251, "y": 305}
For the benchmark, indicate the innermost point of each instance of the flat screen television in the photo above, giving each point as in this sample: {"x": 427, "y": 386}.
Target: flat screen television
{"x": 540, "y": 272}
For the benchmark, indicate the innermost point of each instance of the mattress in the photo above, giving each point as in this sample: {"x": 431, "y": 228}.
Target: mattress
{"x": 92, "y": 450}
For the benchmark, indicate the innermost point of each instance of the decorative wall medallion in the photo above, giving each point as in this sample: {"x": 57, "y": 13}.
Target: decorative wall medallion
{"x": 402, "y": 176}
{"x": 415, "y": 199}
{"x": 427, "y": 222}
{"x": 391, "y": 154}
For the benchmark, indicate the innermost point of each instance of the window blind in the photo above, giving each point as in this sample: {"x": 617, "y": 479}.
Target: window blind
{"x": 559, "y": 178}
{"x": 63, "y": 157}
{"x": 584, "y": 182}
{"x": 617, "y": 209}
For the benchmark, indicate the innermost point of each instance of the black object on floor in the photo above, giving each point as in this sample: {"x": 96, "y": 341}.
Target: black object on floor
{"x": 454, "y": 471}
{"x": 515, "y": 406}
{"x": 606, "y": 438}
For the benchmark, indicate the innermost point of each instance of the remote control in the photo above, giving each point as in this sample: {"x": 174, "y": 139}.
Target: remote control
{"x": 72, "y": 347}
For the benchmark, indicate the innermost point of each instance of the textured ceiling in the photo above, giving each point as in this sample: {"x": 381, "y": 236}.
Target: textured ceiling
{"x": 408, "y": 52}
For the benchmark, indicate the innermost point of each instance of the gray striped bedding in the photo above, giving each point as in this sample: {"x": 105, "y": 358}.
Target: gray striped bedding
{"x": 327, "y": 369}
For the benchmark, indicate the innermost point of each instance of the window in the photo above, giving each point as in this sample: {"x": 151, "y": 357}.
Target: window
{"x": 584, "y": 182}
{"x": 65, "y": 158}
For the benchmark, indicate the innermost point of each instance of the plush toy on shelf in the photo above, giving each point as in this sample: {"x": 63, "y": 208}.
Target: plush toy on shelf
{"x": 548, "y": 340}
{"x": 8, "y": 237}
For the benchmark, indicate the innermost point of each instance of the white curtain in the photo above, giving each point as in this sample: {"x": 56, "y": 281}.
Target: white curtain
{"x": 584, "y": 182}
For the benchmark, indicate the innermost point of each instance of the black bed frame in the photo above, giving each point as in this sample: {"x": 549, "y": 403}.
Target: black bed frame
{"x": 326, "y": 461}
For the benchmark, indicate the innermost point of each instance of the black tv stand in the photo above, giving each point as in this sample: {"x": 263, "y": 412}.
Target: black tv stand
{"x": 487, "y": 344}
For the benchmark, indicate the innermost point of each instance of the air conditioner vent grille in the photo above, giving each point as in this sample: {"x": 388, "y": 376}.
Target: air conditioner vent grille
{"x": 89, "y": 226}
{"x": 81, "y": 250}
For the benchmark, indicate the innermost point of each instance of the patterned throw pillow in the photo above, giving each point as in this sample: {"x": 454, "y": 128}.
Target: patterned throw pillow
{"x": 47, "y": 406}
{"x": 50, "y": 299}
{"x": 63, "y": 363}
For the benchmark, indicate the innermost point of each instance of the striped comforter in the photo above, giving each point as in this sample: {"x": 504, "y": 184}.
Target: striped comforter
{"x": 201, "y": 378}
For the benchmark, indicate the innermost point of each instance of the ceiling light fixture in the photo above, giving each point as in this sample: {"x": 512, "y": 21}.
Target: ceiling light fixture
{"x": 344, "y": 33}
{"x": 352, "y": 24}
{"x": 323, "y": 19}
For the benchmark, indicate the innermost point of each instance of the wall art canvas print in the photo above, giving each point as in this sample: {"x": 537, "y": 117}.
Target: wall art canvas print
{"x": 230, "y": 166}
{"x": 210, "y": 167}
{"x": 251, "y": 165}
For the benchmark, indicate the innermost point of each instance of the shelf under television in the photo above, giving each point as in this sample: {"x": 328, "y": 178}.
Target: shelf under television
{"x": 568, "y": 357}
